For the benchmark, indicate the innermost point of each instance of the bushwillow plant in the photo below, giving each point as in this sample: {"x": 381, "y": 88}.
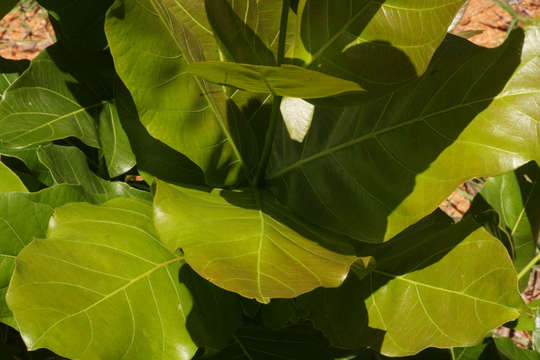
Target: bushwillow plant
{"x": 294, "y": 155}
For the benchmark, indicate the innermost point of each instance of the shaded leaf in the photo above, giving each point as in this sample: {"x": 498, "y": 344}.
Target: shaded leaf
{"x": 241, "y": 241}
{"x": 343, "y": 37}
{"x": 299, "y": 342}
{"x": 10, "y": 70}
{"x": 189, "y": 114}
{"x": 6, "y": 7}
{"x": 112, "y": 291}
{"x": 511, "y": 352}
{"x": 372, "y": 170}
{"x": 9, "y": 181}
{"x": 67, "y": 165}
{"x": 286, "y": 80}
{"x": 426, "y": 273}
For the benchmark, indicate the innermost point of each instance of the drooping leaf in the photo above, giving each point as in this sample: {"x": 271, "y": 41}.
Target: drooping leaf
{"x": 102, "y": 286}
{"x": 298, "y": 342}
{"x": 154, "y": 157}
{"x": 189, "y": 114}
{"x": 23, "y": 217}
{"x": 515, "y": 196}
{"x": 67, "y": 165}
{"x": 10, "y": 70}
{"x": 286, "y": 80}
{"x": 372, "y": 170}
{"x": 430, "y": 271}
{"x": 46, "y": 104}
{"x": 377, "y": 44}
{"x": 114, "y": 142}
{"x": 242, "y": 242}
{"x": 9, "y": 181}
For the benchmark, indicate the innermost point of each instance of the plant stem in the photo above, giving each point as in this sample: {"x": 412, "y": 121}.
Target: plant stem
{"x": 276, "y": 100}
{"x": 528, "y": 267}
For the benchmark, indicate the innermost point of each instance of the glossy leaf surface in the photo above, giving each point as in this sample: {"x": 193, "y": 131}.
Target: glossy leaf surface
{"x": 372, "y": 170}
{"x": 240, "y": 241}
{"x": 286, "y": 80}
{"x": 427, "y": 273}
{"x": 113, "y": 289}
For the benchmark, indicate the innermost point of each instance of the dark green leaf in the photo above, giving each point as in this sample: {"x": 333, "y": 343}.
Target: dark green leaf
{"x": 507, "y": 347}
{"x": 9, "y": 181}
{"x": 372, "y": 170}
{"x": 242, "y": 242}
{"x": 6, "y": 6}
{"x": 101, "y": 286}
{"x": 10, "y": 70}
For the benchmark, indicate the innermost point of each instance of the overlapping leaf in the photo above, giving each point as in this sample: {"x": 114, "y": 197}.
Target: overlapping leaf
{"x": 10, "y": 70}
{"x": 515, "y": 197}
{"x": 344, "y": 37}
{"x": 9, "y": 181}
{"x": 429, "y": 272}
{"x": 241, "y": 241}
{"x": 102, "y": 286}
{"x": 370, "y": 171}
{"x": 23, "y": 217}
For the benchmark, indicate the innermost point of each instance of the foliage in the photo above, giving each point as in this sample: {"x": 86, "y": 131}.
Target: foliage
{"x": 293, "y": 157}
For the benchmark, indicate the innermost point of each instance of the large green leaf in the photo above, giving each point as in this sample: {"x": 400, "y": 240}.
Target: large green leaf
{"x": 241, "y": 241}
{"x": 436, "y": 285}
{"x": 153, "y": 157}
{"x": 67, "y": 165}
{"x": 102, "y": 286}
{"x": 375, "y": 43}
{"x": 286, "y": 80}
{"x": 23, "y": 217}
{"x": 115, "y": 143}
{"x": 9, "y": 181}
{"x": 48, "y": 103}
{"x": 372, "y": 170}
{"x": 511, "y": 352}
{"x": 192, "y": 116}
{"x": 515, "y": 196}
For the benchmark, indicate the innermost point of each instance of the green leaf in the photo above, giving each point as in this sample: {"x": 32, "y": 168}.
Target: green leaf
{"x": 190, "y": 115}
{"x": 102, "y": 286}
{"x": 114, "y": 142}
{"x": 10, "y": 70}
{"x": 6, "y": 7}
{"x": 377, "y": 44}
{"x": 286, "y": 80}
{"x": 507, "y": 347}
{"x": 9, "y": 181}
{"x": 241, "y": 241}
{"x": 299, "y": 342}
{"x": 23, "y": 217}
{"x": 247, "y": 30}
{"x": 424, "y": 275}
{"x": 47, "y": 103}
{"x": 372, "y": 170}
{"x": 153, "y": 156}
{"x": 515, "y": 196}
{"x": 67, "y": 165}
